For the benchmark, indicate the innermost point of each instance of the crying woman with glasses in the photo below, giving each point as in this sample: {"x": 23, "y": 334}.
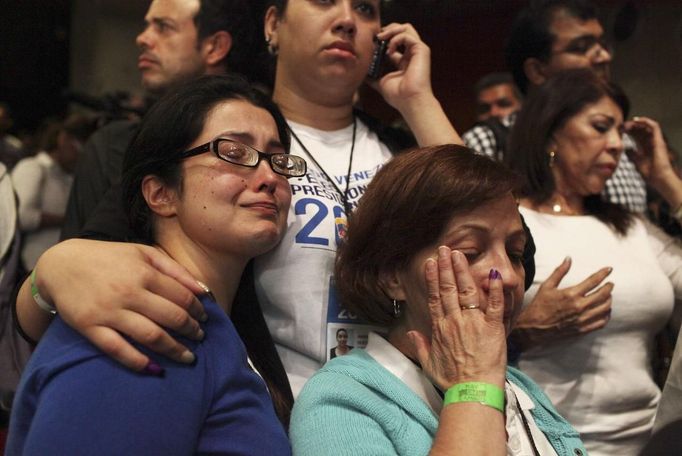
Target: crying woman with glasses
{"x": 204, "y": 184}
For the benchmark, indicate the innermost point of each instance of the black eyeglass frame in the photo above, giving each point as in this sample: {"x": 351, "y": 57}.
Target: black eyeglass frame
{"x": 212, "y": 146}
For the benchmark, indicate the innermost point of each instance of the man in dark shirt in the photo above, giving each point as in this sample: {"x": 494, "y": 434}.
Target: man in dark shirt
{"x": 182, "y": 40}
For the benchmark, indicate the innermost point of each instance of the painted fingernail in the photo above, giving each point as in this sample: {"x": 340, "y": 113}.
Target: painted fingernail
{"x": 494, "y": 274}
{"x": 203, "y": 286}
{"x": 152, "y": 368}
{"x": 187, "y": 357}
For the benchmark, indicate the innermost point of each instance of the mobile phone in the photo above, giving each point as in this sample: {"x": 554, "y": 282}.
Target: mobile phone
{"x": 377, "y": 59}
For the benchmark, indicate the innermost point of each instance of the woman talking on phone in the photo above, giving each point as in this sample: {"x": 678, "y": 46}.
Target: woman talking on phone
{"x": 323, "y": 54}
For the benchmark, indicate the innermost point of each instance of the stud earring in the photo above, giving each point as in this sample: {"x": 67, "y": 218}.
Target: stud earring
{"x": 272, "y": 49}
{"x": 552, "y": 158}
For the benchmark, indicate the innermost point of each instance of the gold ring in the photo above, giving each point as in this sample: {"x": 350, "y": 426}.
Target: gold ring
{"x": 468, "y": 307}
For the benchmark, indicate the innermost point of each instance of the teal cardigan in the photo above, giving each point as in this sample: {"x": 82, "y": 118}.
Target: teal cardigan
{"x": 354, "y": 406}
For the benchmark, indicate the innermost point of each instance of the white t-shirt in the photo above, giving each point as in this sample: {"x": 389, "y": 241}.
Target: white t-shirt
{"x": 42, "y": 186}
{"x": 601, "y": 382}
{"x": 8, "y": 209}
{"x": 293, "y": 281}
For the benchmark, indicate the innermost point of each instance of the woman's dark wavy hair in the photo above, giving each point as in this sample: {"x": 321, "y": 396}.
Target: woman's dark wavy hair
{"x": 405, "y": 209}
{"x": 545, "y": 111}
{"x": 166, "y": 131}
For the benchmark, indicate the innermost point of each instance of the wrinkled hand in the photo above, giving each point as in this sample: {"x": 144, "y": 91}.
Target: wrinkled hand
{"x": 557, "y": 313}
{"x": 411, "y": 58}
{"x": 653, "y": 160}
{"x": 651, "y": 156}
{"x": 465, "y": 344}
{"x": 102, "y": 289}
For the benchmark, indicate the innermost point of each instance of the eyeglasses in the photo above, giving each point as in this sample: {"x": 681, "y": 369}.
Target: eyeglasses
{"x": 587, "y": 46}
{"x": 240, "y": 154}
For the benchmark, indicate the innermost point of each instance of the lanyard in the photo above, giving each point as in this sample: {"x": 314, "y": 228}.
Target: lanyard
{"x": 343, "y": 194}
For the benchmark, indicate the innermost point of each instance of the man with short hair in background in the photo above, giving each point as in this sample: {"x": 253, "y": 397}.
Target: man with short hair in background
{"x": 182, "y": 40}
{"x": 496, "y": 96}
{"x": 546, "y": 38}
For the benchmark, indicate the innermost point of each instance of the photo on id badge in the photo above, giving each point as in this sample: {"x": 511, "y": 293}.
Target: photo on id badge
{"x": 345, "y": 330}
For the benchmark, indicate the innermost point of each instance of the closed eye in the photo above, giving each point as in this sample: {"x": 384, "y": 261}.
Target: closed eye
{"x": 515, "y": 257}
{"x": 601, "y": 127}
{"x": 471, "y": 255}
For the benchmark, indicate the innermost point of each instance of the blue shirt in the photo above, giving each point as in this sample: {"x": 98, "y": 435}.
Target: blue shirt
{"x": 72, "y": 399}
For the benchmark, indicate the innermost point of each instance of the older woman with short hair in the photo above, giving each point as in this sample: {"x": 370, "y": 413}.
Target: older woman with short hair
{"x": 434, "y": 254}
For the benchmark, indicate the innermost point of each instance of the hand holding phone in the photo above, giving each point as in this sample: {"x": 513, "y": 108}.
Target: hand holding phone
{"x": 377, "y": 59}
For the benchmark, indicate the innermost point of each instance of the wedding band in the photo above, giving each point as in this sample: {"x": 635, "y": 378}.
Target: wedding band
{"x": 469, "y": 307}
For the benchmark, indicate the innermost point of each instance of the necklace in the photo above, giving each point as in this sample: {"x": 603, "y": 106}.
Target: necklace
{"x": 344, "y": 193}
{"x": 559, "y": 207}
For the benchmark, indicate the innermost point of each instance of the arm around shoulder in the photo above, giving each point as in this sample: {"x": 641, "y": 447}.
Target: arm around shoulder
{"x": 136, "y": 286}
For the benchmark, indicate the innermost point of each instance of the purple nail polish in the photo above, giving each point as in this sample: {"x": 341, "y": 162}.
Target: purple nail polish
{"x": 494, "y": 274}
{"x": 154, "y": 369}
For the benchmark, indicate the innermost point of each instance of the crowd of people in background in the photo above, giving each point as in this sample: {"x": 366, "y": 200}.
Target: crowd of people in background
{"x": 260, "y": 267}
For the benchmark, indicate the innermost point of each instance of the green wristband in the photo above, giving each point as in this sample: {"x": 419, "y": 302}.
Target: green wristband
{"x": 483, "y": 393}
{"x": 46, "y": 306}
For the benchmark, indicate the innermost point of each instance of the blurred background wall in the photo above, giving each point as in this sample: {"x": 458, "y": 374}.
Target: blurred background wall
{"x": 88, "y": 46}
